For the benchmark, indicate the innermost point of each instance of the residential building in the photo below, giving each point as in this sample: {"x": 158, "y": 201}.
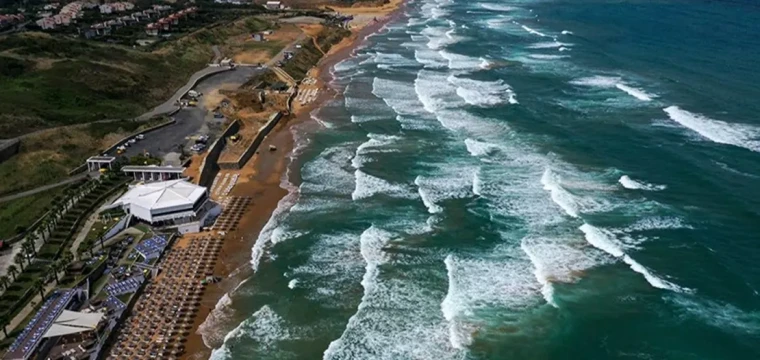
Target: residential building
{"x": 62, "y": 19}
{"x": 47, "y": 23}
{"x": 151, "y": 29}
{"x": 274, "y": 5}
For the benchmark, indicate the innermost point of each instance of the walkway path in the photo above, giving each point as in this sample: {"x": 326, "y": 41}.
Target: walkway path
{"x": 43, "y": 188}
{"x": 28, "y": 309}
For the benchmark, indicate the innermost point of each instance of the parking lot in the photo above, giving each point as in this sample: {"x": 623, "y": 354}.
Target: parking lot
{"x": 190, "y": 121}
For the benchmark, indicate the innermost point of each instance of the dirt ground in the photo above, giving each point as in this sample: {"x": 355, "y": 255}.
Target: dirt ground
{"x": 247, "y": 51}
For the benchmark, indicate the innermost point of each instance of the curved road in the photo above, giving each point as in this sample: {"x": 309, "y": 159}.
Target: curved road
{"x": 171, "y": 104}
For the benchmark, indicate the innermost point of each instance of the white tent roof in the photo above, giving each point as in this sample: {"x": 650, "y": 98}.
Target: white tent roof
{"x": 72, "y": 322}
{"x": 162, "y": 194}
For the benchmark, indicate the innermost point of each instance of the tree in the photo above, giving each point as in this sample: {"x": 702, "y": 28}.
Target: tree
{"x": 5, "y": 281}
{"x": 31, "y": 243}
{"x": 39, "y": 285}
{"x": 54, "y": 269}
{"x": 19, "y": 260}
{"x": 13, "y": 270}
{"x": 101, "y": 235}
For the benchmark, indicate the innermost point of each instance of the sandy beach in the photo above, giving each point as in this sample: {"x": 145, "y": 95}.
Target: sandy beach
{"x": 261, "y": 180}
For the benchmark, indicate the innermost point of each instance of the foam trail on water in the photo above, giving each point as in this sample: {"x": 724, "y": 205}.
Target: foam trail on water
{"x": 495, "y": 7}
{"x": 605, "y": 241}
{"x": 613, "y": 82}
{"x": 740, "y": 135}
{"x": 559, "y": 195}
{"x": 546, "y": 287}
{"x": 477, "y": 184}
{"x": 368, "y": 185}
{"x": 426, "y": 198}
{"x": 637, "y": 93}
{"x": 533, "y": 31}
{"x": 629, "y": 183}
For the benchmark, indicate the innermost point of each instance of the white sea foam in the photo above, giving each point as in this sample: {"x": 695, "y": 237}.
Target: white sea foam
{"x": 567, "y": 32}
{"x": 501, "y": 281}
{"x": 637, "y": 93}
{"x": 629, "y": 183}
{"x": 483, "y": 93}
{"x": 498, "y": 7}
{"x": 439, "y": 37}
{"x": 556, "y": 259}
{"x": 396, "y": 318}
{"x": 718, "y": 131}
{"x": 613, "y": 82}
{"x": 548, "y": 45}
{"x": 427, "y": 198}
{"x": 723, "y": 316}
{"x": 461, "y": 62}
{"x": 265, "y": 236}
{"x": 562, "y": 48}
{"x": 477, "y": 184}
{"x": 498, "y": 23}
{"x": 559, "y": 195}
{"x": 656, "y": 223}
{"x": 292, "y": 283}
{"x": 533, "y": 31}
{"x": 430, "y": 58}
{"x": 480, "y": 148}
{"x": 446, "y": 184}
{"x": 393, "y": 60}
{"x": 548, "y": 56}
{"x": 368, "y": 186}
{"x": 265, "y": 327}
{"x": 606, "y": 241}
{"x": 328, "y": 173}
{"x": 398, "y": 95}
{"x": 223, "y": 302}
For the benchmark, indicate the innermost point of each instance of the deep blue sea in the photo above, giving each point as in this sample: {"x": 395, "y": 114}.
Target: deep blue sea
{"x": 522, "y": 180}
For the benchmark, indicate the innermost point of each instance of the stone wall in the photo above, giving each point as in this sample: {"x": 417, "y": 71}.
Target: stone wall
{"x": 209, "y": 166}
{"x": 248, "y": 153}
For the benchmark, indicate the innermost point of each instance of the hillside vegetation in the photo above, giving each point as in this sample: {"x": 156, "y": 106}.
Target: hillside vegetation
{"x": 50, "y": 81}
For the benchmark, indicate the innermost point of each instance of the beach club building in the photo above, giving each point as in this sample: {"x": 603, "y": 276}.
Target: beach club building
{"x": 173, "y": 203}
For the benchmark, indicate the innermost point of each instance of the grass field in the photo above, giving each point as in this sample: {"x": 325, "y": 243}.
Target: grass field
{"x": 48, "y": 156}
{"x": 23, "y": 212}
{"x": 48, "y": 81}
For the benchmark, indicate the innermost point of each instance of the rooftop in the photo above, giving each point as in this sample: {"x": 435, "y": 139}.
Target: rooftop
{"x": 162, "y": 194}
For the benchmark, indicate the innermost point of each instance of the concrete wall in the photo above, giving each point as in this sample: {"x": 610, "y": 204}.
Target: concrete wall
{"x": 209, "y": 166}
{"x": 263, "y": 132}
{"x": 8, "y": 148}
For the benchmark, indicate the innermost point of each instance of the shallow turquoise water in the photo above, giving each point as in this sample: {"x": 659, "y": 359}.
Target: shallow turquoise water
{"x": 522, "y": 180}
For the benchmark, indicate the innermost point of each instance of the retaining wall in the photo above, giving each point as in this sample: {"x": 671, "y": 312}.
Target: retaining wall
{"x": 8, "y": 148}
{"x": 248, "y": 153}
{"x": 209, "y": 166}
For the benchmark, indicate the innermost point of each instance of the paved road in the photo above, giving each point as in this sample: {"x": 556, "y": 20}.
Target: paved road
{"x": 170, "y": 104}
{"x": 217, "y": 54}
{"x": 43, "y": 188}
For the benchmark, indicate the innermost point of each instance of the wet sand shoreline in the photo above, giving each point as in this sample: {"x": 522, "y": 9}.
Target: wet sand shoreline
{"x": 265, "y": 185}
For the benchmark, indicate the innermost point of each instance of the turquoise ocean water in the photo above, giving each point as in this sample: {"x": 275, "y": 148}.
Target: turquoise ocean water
{"x": 521, "y": 180}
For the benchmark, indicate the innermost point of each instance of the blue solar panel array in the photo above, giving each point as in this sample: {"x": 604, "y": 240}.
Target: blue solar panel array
{"x": 115, "y": 304}
{"x": 152, "y": 247}
{"x": 53, "y": 306}
{"x": 125, "y": 287}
